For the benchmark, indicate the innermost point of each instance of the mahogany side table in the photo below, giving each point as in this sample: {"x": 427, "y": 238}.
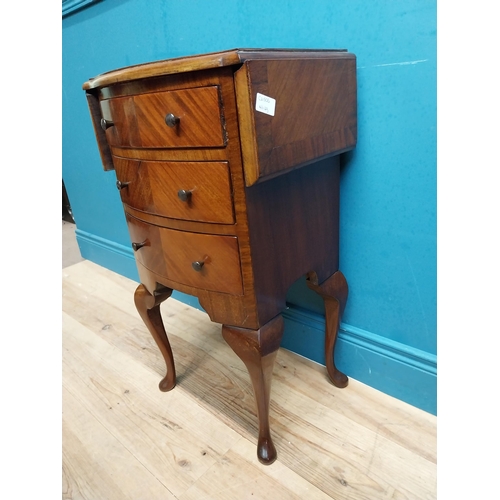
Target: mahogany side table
{"x": 227, "y": 165}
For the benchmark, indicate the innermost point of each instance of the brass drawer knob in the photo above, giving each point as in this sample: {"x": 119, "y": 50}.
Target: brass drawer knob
{"x": 136, "y": 246}
{"x": 105, "y": 124}
{"x": 171, "y": 120}
{"x": 120, "y": 185}
{"x": 184, "y": 194}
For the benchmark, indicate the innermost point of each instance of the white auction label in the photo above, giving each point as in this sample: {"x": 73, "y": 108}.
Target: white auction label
{"x": 265, "y": 104}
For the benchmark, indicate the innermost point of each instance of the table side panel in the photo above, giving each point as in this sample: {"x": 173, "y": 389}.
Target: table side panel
{"x": 315, "y": 113}
{"x": 294, "y": 229}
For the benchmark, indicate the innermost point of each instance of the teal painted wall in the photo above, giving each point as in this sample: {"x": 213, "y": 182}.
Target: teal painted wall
{"x": 388, "y": 183}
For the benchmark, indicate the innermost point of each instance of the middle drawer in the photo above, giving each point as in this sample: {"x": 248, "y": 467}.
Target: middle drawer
{"x": 196, "y": 191}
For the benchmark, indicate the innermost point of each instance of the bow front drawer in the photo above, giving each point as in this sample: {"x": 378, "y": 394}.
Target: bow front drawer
{"x": 206, "y": 261}
{"x": 186, "y": 118}
{"x": 146, "y": 243}
{"x": 196, "y": 191}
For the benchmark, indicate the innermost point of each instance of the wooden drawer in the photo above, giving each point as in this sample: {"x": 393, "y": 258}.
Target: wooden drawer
{"x": 171, "y": 253}
{"x": 139, "y": 121}
{"x": 147, "y": 236}
{"x": 154, "y": 186}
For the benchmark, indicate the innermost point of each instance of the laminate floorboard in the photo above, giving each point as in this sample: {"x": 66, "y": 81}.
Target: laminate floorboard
{"x": 124, "y": 439}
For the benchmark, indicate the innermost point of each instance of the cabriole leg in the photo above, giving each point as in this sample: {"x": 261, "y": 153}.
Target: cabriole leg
{"x": 334, "y": 292}
{"x": 149, "y": 309}
{"x": 258, "y": 349}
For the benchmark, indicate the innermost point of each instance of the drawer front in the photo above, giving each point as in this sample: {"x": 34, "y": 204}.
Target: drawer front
{"x": 147, "y": 236}
{"x": 218, "y": 255}
{"x": 196, "y": 191}
{"x": 206, "y": 261}
{"x": 140, "y": 121}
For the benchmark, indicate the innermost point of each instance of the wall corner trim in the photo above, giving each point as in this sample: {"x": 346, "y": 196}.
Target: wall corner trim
{"x": 402, "y": 371}
{"x": 106, "y": 253}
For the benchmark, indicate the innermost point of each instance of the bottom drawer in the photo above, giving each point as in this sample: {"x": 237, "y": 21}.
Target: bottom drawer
{"x": 206, "y": 261}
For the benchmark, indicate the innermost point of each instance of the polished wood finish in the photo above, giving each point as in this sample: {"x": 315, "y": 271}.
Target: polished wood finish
{"x": 304, "y": 126}
{"x": 96, "y": 115}
{"x": 228, "y": 203}
{"x": 153, "y": 187}
{"x": 202, "y": 62}
{"x": 148, "y": 306}
{"x": 258, "y": 349}
{"x": 221, "y": 272}
{"x": 170, "y": 254}
{"x": 334, "y": 292}
{"x": 302, "y": 233}
{"x": 150, "y": 254}
{"x": 140, "y": 121}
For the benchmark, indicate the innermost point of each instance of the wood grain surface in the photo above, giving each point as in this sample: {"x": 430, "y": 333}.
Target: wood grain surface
{"x": 315, "y": 113}
{"x": 139, "y": 121}
{"x": 153, "y": 187}
{"x": 171, "y": 254}
{"x": 204, "y": 62}
{"x": 124, "y": 439}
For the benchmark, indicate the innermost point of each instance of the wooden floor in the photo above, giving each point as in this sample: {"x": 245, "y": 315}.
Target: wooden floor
{"x": 124, "y": 439}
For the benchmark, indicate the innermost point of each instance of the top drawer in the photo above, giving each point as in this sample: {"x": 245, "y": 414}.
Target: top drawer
{"x": 141, "y": 121}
